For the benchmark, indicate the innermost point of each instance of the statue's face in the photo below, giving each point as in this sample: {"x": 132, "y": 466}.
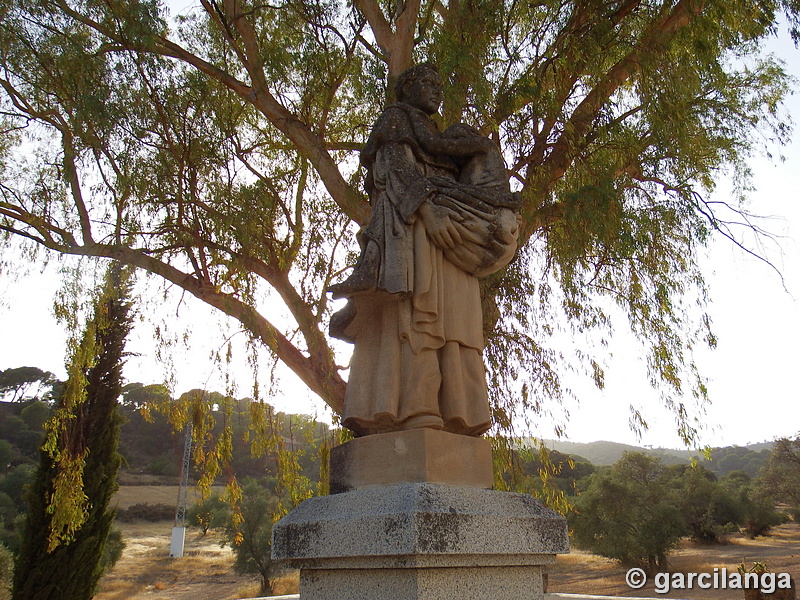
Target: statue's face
{"x": 425, "y": 93}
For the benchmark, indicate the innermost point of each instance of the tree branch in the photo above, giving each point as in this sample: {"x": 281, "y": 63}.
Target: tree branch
{"x": 71, "y": 175}
{"x": 318, "y": 370}
{"x": 397, "y": 45}
{"x": 377, "y": 22}
{"x": 319, "y": 375}
{"x": 309, "y": 145}
{"x": 570, "y": 142}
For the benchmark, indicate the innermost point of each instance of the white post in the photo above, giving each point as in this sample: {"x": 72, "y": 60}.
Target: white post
{"x": 176, "y": 545}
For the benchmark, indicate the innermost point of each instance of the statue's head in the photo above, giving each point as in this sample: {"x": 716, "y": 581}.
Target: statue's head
{"x": 421, "y": 87}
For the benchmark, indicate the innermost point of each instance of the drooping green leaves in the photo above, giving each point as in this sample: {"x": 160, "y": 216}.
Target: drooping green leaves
{"x": 218, "y": 150}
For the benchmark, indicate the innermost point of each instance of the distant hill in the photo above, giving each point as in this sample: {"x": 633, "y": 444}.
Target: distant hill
{"x": 723, "y": 460}
{"x": 606, "y": 453}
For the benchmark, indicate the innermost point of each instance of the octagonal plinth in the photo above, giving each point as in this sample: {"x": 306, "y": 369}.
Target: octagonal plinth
{"x": 420, "y": 541}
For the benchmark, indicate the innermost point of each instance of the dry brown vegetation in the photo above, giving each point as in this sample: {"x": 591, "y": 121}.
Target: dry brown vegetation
{"x": 583, "y": 573}
{"x": 205, "y": 573}
{"x": 152, "y": 494}
{"x": 146, "y": 570}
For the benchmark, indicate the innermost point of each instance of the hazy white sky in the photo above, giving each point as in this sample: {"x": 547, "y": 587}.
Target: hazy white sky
{"x": 753, "y": 374}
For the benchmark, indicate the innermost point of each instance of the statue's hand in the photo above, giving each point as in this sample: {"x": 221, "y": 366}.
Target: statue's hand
{"x": 486, "y": 145}
{"x": 470, "y": 142}
{"x": 442, "y": 225}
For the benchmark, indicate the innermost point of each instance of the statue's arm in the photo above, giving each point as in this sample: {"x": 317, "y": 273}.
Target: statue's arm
{"x": 406, "y": 186}
{"x": 457, "y": 145}
{"x": 442, "y": 225}
{"x": 411, "y": 194}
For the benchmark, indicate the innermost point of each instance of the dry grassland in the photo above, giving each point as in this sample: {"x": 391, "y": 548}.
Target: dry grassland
{"x": 152, "y": 494}
{"x": 583, "y": 573}
{"x": 146, "y": 570}
{"x": 205, "y": 572}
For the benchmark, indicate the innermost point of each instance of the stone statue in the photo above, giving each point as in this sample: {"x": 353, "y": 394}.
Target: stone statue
{"x": 442, "y": 216}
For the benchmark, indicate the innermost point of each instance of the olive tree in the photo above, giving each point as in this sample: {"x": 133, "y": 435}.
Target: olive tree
{"x": 629, "y": 513}
{"x": 779, "y": 478}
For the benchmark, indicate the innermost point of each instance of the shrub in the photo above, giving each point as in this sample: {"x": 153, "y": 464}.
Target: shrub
{"x": 6, "y": 572}
{"x": 761, "y": 517}
{"x": 112, "y": 551}
{"x": 795, "y": 514}
{"x": 251, "y": 540}
{"x": 709, "y": 509}
{"x": 145, "y": 511}
{"x": 166, "y": 465}
{"x": 629, "y": 513}
{"x": 758, "y": 513}
{"x": 211, "y": 513}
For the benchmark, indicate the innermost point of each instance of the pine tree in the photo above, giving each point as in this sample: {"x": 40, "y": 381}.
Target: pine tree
{"x": 69, "y": 520}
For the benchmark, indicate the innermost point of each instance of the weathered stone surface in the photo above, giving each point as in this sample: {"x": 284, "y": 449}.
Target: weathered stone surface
{"x": 443, "y": 214}
{"x": 420, "y": 541}
{"x": 463, "y": 583}
{"x": 418, "y": 519}
{"x": 414, "y": 456}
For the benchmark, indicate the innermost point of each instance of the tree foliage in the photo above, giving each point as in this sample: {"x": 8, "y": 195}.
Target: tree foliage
{"x": 217, "y": 151}
{"x": 629, "y": 514}
{"x": 13, "y": 505}
{"x": 709, "y": 509}
{"x": 735, "y": 458}
{"x": 18, "y": 381}
{"x": 757, "y": 511}
{"x": 6, "y": 572}
{"x": 210, "y": 513}
{"x": 639, "y": 509}
{"x": 25, "y": 441}
{"x": 64, "y": 544}
{"x": 780, "y": 477}
{"x": 251, "y": 538}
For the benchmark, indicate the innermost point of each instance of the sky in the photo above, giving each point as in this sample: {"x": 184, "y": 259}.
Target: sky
{"x": 752, "y": 375}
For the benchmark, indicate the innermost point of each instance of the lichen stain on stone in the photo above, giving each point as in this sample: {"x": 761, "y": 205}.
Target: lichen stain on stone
{"x": 440, "y": 533}
{"x": 395, "y": 525}
{"x": 396, "y": 531}
{"x": 297, "y": 539}
{"x": 311, "y": 576}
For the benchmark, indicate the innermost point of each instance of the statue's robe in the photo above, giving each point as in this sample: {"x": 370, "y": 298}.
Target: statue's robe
{"x": 419, "y": 337}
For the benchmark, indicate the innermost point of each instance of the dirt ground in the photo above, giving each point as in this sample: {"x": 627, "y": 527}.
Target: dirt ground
{"x": 583, "y": 573}
{"x": 205, "y": 572}
{"x": 146, "y": 571}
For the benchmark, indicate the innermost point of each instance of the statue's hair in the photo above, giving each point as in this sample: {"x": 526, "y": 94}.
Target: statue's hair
{"x": 411, "y": 75}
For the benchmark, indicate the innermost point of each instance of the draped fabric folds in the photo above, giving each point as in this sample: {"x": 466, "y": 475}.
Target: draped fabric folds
{"x": 419, "y": 333}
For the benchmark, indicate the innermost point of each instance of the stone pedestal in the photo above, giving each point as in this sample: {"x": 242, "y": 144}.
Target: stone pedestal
{"x": 417, "y": 539}
{"x": 415, "y": 456}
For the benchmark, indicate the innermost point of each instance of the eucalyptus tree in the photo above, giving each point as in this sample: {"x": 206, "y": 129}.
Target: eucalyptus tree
{"x": 218, "y": 150}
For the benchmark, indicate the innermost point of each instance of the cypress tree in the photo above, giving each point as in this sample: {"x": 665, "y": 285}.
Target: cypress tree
{"x": 68, "y": 519}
